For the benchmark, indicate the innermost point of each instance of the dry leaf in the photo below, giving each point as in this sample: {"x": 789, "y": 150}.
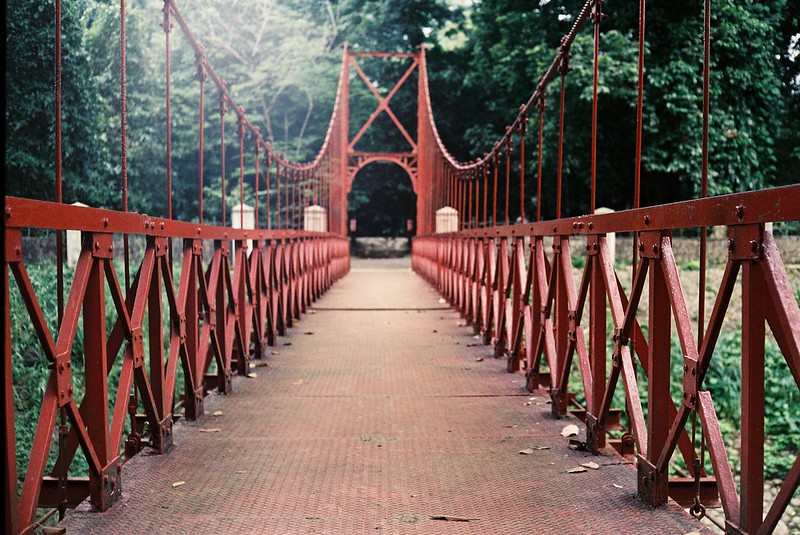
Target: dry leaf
{"x": 442, "y": 301}
{"x": 570, "y": 431}
{"x": 477, "y": 337}
{"x": 576, "y": 470}
{"x": 451, "y": 518}
{"x": 287, "y": 343}
{"x": 479, "y": 359}
{"x": 252, "y": 375}
{"x": 312, "y": 311}
{"x": 527, "y": 403}
{"x": 592, "y": 465}
{"x": 258, "y": 364}
{"x": 617, "y": 486}
{"x": 178, "y": 484}
{"x": 308, "y": 332}
{"x": 526, "y": 451}
{"x": 692, "y": 533}
{"x": 210, "y": 430}
{"x": 217, "y": 413}
{"x": 298, "y": 382}
{"x": 541, "y": 448}
{"x": 241, "y": 471}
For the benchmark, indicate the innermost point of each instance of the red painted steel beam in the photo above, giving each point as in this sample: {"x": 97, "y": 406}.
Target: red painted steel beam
{"x": 775, "y": 204}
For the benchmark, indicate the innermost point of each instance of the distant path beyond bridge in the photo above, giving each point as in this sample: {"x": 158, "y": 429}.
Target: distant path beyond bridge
{"x": 379, "y": 413}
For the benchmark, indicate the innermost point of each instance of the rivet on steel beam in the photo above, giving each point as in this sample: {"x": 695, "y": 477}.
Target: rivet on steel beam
{"x": 18, "y": 250}
{"x": 655, "y": 248}
{"x": 555, "y": 229}
{"x": 71, "y": 390}
{"x": 111, "y": 248}
{"x": 591, "y": 225}
{"x": 731, "y": 245}
{"x": 753, "y": 246}
{"x": 8, "y": 212}
{"x": 574, "y": 225}
{"x": 739, "y": 211}
{"x": 105, "y": 222}
{"x": 198, "y": 231}
{"x": 685, "y": 368}
{"x": 97, "y": 246}
{"x": 641, "y": 247}
{"x": 580, "y": 226}
{"x": 647, "y": 220}
{"x": 162, "y": 225}
{"x": 61, "y": 368}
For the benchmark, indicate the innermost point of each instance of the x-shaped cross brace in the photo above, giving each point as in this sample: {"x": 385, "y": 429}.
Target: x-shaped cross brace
{"x": 383, "y": 104}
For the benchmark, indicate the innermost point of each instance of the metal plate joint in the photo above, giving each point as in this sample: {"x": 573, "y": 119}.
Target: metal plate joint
{"x": 745, "y": 242}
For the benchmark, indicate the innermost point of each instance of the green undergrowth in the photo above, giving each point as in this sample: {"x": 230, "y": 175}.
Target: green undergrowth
{"x": 31, "y": 368}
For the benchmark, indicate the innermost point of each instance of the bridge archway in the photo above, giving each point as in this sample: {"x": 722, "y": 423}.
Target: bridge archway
{"x": 379, "y": 199}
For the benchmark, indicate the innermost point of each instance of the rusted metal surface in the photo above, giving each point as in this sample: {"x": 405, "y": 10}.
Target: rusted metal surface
{"x": 521, "y": 297}
{"x": 531, "y": 312}
{"x": 220, "y": 316}
{"x": 524, "y": 301}
{"x": 359, "y": 426}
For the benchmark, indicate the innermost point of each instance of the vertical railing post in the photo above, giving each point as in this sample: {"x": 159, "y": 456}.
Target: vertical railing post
{"x": 654, "y": 484}
{"x": 752, "y": 401}
{"x": 105, "y": 484}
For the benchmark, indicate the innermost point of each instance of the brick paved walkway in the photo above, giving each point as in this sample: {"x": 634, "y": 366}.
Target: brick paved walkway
{"x": 378, "y": 417}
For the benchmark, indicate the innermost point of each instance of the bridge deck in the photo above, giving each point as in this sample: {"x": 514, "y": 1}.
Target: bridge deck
{"x": 369, "y": 419}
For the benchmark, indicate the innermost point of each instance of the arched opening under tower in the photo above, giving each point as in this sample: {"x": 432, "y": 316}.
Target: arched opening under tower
{"x": 382, "y": 210}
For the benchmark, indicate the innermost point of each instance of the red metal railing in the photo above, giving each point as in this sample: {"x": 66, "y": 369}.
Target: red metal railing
{"x": 523, "y": 299}
{"x": 182, "y": 314}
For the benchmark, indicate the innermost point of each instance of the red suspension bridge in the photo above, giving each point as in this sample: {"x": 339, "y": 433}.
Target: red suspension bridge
{"x": 205, "y": 303}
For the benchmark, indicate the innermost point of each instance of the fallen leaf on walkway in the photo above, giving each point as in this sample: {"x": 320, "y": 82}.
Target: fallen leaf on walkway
{"x": 210, "y": 430}
{"x": 477, "y": 337}
{"x": 241, "y": 471}
{"x": 287, "y": 343}
{"x": 258, "y": 364}
{"x": 526, "y": 451}
{"x": 473, "y": 345}
{"x": 479, "y": 359}
{"x": 617, "y": 486}
{"x": 452, "y": 518}
{"x": 274, "y": 352}
{"x": 435, "y": 331}
{"x": 570, "y": 431}
{"x": 592, "y": 465}
{"x": 217, "y": 413}
{"x": 692, "y": 533}
{"x": 527, "y": 403}
{"x": 252, "y": 375}
{"x": 178, "y": 484}
{"x": 312, "y": 311}
{"x": 308, "y": 332}
{"x": 541, "y": 448}
{"x": 298, "y": 382}
{"x": 442, "y": 301}
{"x": 576, "y": 470}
